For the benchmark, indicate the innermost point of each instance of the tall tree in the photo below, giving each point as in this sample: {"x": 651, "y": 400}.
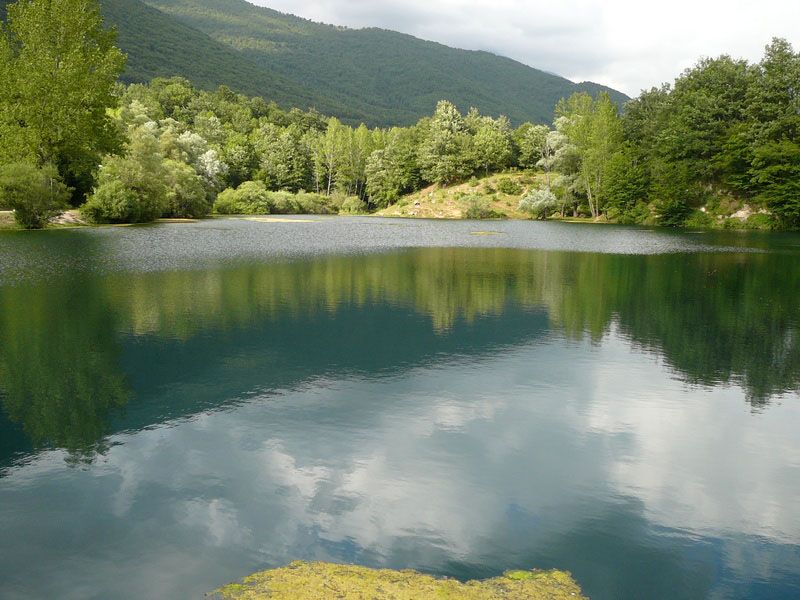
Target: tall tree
{"x": 774, "y": 110}
{"x": 594, "y": 128}
{"x": 59, "y": 68}
{"x": 445, "y": 153}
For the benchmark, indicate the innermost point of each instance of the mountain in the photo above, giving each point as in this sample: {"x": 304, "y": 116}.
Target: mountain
{"x": 390, "y": 77}
{"x": 377, "y": 76}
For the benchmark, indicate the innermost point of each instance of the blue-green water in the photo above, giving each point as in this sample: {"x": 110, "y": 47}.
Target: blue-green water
{"x": 185, "y": 404}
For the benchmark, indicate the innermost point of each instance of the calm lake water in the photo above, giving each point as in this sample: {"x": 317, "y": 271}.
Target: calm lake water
{"x": 184, "y": 404}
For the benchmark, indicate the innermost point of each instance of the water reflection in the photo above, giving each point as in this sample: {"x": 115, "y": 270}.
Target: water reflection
{"x": 459, "y": 410}
{"x": 67, "y": 358}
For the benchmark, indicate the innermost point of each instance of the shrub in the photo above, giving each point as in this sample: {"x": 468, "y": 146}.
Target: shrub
{"x": 476, "y": 207}
{"x": 473, "y": 181}
{"x": 34, "y": 194}
{"x": 128, "y": 191}
{"x": 698, "y": 218}
{"x": 314, "y": 204}
{"x": 113, "y": 202}
{"x": 539, "y": 203}
{"x": 353, "y": 206}
{"x": 284, "y": 203}
{"x": 509, "y": 186}
{"x": 226, "y": 204}
{"x": 186, "y": 194}
{"x": 672, "y": 212}
{"x": 760, "y": 221}
{"x": 250, "y": 198}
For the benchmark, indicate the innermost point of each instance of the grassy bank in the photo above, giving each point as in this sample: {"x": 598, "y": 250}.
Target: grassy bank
{"x": 498, "y": 196}
{"x": 316, "y": 581}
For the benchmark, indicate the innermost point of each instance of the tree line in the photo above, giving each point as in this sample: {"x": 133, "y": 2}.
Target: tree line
{"x": 724, "y": 134}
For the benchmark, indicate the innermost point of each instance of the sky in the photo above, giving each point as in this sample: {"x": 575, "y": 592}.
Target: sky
{"x": 629, "y": 45}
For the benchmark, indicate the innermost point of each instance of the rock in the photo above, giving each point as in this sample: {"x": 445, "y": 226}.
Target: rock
{"x": 315, "y": 580}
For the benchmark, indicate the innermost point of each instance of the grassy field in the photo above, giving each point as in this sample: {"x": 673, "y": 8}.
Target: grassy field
{"x": 452, "y": 202}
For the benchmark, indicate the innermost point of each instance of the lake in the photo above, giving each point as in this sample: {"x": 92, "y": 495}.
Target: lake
{"x": 184, "y": 404}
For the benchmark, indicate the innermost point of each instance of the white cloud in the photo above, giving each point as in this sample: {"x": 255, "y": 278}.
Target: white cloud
{"x": 627, "y": 44}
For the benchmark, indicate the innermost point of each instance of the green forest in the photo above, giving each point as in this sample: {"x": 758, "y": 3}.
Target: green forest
{"x": 722, "y": 139}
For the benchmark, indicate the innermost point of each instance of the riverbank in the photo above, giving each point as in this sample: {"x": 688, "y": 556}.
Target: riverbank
{"x": 314, "y": 580}
{"x": 498, "y": 195}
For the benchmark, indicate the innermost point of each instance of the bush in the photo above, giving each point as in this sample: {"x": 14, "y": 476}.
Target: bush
{"x": 473, "y": 181}
{"x": 509, "y": 186}
{"x": 353, "y": 206}
{"x": 672, "y": 212}
{"x": 476, "y": 207}
{"x": 186, "y": 195}
{"x": 539, "y": 203}
{"x": 314, "y": 204}
{"x": 285, "y": 203}
{"x": 226, "y": 204}
{"x": 250, "y": 198}
{"x": 760, "y": 221}
{"x": 34, "y": 194}
{"x": 128, "y": 190}
{"x": 698, "y": 218}
{"x": 113, "y": 202}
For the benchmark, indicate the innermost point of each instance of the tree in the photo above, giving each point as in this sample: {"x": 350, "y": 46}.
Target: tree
{"x": 131, "y": 189}
{"x": 774, "y": 131}
{"x": 445, "y": 153}
{"x": 539, "y": 203}
{"x": 329, "y": 150}
{"x": 594, "y": 128}
{"x": 393, "y": 170}
{"x": 59, "y": 67}
{"x": 491, "y": 144}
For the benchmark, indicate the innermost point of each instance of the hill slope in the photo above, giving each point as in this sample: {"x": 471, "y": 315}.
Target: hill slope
{"x": 372, "y": 75}
{"x": 389, "y": 78}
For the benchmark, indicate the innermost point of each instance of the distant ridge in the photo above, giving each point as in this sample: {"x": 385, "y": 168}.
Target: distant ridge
{"x": 376, "y": 76}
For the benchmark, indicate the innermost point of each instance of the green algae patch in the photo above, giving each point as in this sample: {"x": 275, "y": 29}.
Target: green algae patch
{"x": 323, "y": 581}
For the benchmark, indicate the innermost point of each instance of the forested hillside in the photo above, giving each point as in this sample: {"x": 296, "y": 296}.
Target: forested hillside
{"x": 158, "y": 45}
{"x": 385, "y": 78}
{"x": 379, "y": 77}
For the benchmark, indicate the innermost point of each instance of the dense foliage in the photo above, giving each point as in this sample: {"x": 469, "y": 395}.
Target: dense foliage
{"x": 34, "y": 194}
{"x": 58, "y": 68}
{"x": 724, "y": 134}
{"x": 722, "y": 140}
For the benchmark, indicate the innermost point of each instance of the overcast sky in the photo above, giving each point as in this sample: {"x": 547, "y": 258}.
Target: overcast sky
{"x": 627, "y": 44}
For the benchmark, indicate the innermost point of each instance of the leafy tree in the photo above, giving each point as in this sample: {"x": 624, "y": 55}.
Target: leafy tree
{"x": 594, "y": 128}
{"x": 444, "y": 155}
{"x": 250, "y": 197}
{"x": 131, "y": 189}
{"x": 329, "y": 151}
{"x": 59, "y": 67}
{"x": 491, "y": 144}
{"x": 539, "y": 203}
{"x": 185, "y": 192}
{"x": 627, "y": 182}
{"x": 393, "y": 170}
{"x": 533, "y": 146}
{"x": 35, "y": 194}
{"x": 284, "y": 157}
{"x": 774, "y": 110}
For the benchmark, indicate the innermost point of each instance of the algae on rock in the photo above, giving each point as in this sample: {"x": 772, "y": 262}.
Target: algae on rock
{"x": 323, "y": 581}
